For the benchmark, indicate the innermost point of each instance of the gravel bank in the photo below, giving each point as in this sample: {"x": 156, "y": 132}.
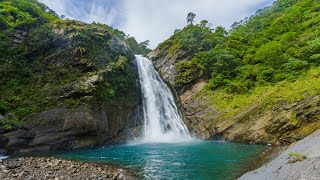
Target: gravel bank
{"x": 57, "y": 169}
{"x": 300, "y": 161}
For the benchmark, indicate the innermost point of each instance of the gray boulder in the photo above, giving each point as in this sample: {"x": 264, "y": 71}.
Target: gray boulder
{"x": 63, "y": 128}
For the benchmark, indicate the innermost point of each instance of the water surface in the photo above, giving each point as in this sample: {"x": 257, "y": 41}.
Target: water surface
{"x": 190, "y": 160}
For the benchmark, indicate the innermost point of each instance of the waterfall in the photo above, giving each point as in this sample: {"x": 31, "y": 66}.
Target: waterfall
{"x": 162, "y": 119}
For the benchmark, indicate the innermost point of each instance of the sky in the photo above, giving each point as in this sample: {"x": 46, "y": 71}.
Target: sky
{"x": 155, "y": 20}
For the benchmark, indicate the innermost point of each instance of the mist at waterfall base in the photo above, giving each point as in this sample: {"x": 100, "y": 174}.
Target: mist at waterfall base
{"x": 165, "y": 149}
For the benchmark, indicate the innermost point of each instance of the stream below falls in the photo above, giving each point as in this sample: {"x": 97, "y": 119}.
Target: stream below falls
{"x": 165, "y": 149}
{"x": 186, "y": 160}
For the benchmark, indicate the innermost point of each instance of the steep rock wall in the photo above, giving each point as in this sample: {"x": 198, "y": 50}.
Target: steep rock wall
{"x": 278, "y": 123}
{"x": 83, "y": 89}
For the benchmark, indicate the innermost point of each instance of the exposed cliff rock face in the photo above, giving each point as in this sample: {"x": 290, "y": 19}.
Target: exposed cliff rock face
{"x": 280, "y": 123}
{"x": 81, "y": 119}
{"x": 165, "y": 62}
{"x": 248, "y": 84}
{"x": 85, "y": 126}
{"x": 70, "y": 84}
{"x": 283, "y": 123}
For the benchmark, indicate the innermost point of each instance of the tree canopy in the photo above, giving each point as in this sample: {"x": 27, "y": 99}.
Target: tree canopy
{"x": 278, "y": 43}
{"x": 190, "y": 18}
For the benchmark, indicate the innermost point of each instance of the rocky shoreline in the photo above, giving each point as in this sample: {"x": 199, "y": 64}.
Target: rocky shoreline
{"x": 28, "y": 168}
{"x": 299, "y": 161}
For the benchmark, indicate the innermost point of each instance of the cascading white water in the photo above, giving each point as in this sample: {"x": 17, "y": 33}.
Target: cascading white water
{"x": 162, "y": 120}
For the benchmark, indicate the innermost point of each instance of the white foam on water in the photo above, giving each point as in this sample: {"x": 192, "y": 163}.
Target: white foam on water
{"x": 4, "y": 157}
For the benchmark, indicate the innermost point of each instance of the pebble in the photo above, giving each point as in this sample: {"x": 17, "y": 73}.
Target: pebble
{"x": 57, "y": 169}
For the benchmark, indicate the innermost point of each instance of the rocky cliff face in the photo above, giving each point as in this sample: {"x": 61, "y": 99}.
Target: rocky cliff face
{"x": 282, "y": 123}
{"x": 277, "y": 123}
{"x": 251, "y": 84}
{"x": 66, "y": 85}
{"x": 165, "y": 63}
{"x": 88, "y": 110}
{"x": 84, "y": 126}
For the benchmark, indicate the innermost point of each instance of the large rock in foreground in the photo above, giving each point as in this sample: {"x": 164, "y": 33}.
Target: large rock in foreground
{"x": 300, "y": 161}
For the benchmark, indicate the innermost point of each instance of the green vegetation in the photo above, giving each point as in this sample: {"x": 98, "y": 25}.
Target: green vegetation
{"x": 10, "y": 122}
{"x": 267, "y": 57}
{"x": 47, "y": 62}
{"x": 231, "y": 103}
{"x": 137, "y": 48}
{"x": 296, "y": 157}
{"x": 21, "y": 14}
{"x": 118, "y": 81}
{"x": 292, "y": 154}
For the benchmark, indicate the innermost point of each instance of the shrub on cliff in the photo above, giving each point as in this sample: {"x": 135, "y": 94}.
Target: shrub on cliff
{"x": 47, "y": 62}
{"x": 279, "y": 43}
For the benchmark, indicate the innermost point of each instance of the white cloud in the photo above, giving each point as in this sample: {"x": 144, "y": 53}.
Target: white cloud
{"x": 87, "y": 11}
{"x": 156, "y": 20}
{"x": 58, "y": 5}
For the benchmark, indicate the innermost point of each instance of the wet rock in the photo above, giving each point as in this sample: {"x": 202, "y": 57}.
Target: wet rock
{"x": 63, "y": 128}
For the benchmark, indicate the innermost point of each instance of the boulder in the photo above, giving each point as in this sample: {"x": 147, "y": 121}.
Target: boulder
{"x": 63, "y": 128}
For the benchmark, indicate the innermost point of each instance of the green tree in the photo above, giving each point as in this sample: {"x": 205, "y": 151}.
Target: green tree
{"x": 203, "y": 23}
{"x": 270, "y": 54}
{"x": 190, "y": 18}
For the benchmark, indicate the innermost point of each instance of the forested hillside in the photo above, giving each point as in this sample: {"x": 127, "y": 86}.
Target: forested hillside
{"x": 32, "y": 36}
{"x": 271, "y": 56}
{"x": 276, "y": 44}
{"x": 61, "y": 76}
